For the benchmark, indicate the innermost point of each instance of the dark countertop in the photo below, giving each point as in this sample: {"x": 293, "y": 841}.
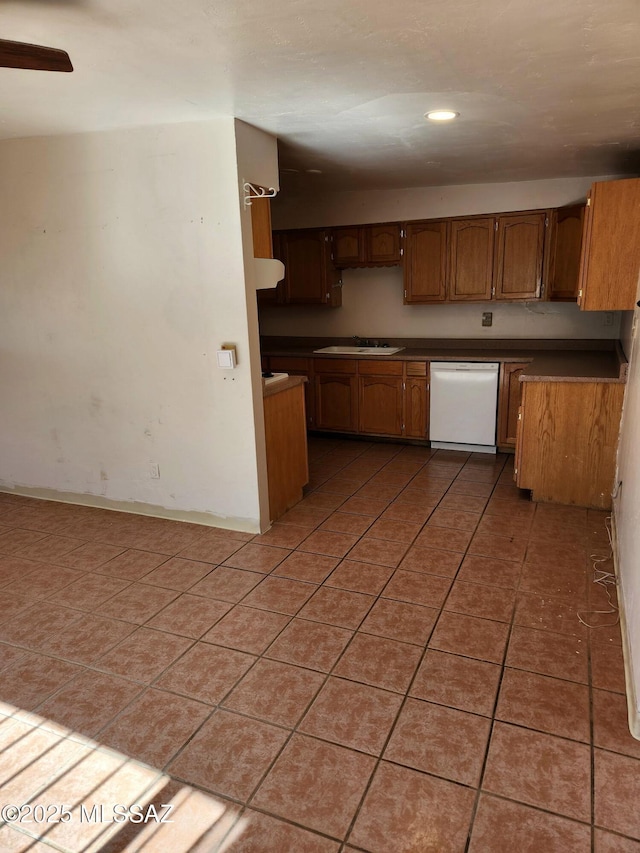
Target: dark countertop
{"x": 552, "y": 360}
{"x": 282, "y": 385}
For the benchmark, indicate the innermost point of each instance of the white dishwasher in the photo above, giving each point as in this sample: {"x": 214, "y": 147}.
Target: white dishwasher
{"x": 464, "y": 404}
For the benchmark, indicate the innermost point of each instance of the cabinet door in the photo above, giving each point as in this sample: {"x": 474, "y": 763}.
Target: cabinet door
{"x": 566, "y": 243}
{"x": 272, "y": 295}
{"x": 509, "y": 401}
{"x": 381, "y": 410}
{"x": 348, "y": 246}
{"x": 567, "y": 440}
{"x": 308, "y": 268}
{"x": 471, "y": 258}
{"x": 416, "y": 398}
{"x": 425, "y": 267}
{"x": 336, "y": 402}
{"x": 519, "y": 254}
{"x": 261, "y": 228}
{"x": 298, "y": 367}
{"x": 611, "y": 247}
{"x": 383, "y": 244}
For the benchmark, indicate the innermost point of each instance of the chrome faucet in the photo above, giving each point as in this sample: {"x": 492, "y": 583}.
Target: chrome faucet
{"x": 367, "y": 342}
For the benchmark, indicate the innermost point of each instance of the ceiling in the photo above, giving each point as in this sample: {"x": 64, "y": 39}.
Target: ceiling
{"x": 544, "y": 88}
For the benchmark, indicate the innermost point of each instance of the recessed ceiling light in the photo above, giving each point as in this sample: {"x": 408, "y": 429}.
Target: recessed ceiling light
{"x": 441, "y": 115}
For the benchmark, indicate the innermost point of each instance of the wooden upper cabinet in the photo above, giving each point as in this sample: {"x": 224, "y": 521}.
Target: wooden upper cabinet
{"x": 519, "y": 255}
{"x": 471, "y": 258}
{"x": 383, "y": 243}
{"x": 564, "y": 258}
{"x": 261, "y": 228}
{"x": 367, "y": 245}
{"x": 610, "y": 260}
{"x": 348, "y": 246}
{"x": 270, "y": 295}
{"x": 310, "y": 277}
{"x": 425, "y": 263}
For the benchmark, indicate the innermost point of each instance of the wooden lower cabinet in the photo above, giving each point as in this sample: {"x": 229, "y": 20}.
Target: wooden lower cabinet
{"x": 567, "y": 440}
{"x": 384, "y": 398}
{"x": 381, "y": 405}
{"x": 297, "y": 367}
{"x": 336, "y": 392}
{"x": 416, "y": 405}
{"x": 509, "y": 398}
{"x": 416, "y": 400}
{"x": 286, "y": 448}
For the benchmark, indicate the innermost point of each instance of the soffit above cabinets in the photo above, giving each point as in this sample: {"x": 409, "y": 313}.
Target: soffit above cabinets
{"x": 543, "y": 89}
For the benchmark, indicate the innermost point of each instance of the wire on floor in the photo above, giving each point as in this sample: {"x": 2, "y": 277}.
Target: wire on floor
{"x": 606, "y": 580}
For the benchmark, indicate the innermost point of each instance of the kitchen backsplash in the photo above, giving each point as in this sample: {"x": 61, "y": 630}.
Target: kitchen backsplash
{"x": 372, "y": 306}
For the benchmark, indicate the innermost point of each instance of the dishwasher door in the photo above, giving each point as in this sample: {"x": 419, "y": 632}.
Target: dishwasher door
{"x": 464, "y": 405}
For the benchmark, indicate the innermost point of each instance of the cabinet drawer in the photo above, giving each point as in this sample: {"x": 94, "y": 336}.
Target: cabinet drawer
{"x": 286, "y": 365}
{"x": 380, "y": 368}
{"x": 335, "y": 365}
{"x": 416, "y": 368}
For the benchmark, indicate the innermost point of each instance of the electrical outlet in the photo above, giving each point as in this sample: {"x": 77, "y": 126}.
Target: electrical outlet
{"x": 487, "y": 318}
{"x": 154, "y": 471}
{"x": 607, "y": 318}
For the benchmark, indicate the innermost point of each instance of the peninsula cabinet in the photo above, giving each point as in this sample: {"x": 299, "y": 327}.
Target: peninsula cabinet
{"x": 425, "y": 262}
{"x": 610, "y": 260}
{"x": 310, "y": 276}
{"x": 367, "y": 245}
{"x": 286, "y": 445}
{"x": 566, "y": 442}
{"x": 564, "y": 257}
{"x": 295, "y": 366}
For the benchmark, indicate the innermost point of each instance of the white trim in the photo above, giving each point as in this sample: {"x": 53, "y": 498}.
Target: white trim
{"x": 633, "y": 714}
{"x": 244, "y": 525}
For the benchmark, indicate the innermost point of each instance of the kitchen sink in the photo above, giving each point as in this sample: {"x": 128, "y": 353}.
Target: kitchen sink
{"x": 360, "y": 350}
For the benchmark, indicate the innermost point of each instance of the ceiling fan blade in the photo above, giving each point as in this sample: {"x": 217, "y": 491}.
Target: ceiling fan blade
{"x": 17, "y": 54}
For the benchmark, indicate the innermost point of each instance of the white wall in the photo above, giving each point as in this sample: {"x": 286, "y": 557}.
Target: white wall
{"x": 372, "y": 299}
{"x": 122, "y": 273}
{"x": 627, "y": 512}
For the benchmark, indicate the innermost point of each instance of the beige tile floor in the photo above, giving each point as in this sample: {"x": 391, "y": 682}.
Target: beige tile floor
{"x": 397, "y": 666}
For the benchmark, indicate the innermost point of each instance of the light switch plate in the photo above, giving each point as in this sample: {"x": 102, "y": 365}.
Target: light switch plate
{"x": 226, "y": 358}
{"x": 487, "y": 318}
